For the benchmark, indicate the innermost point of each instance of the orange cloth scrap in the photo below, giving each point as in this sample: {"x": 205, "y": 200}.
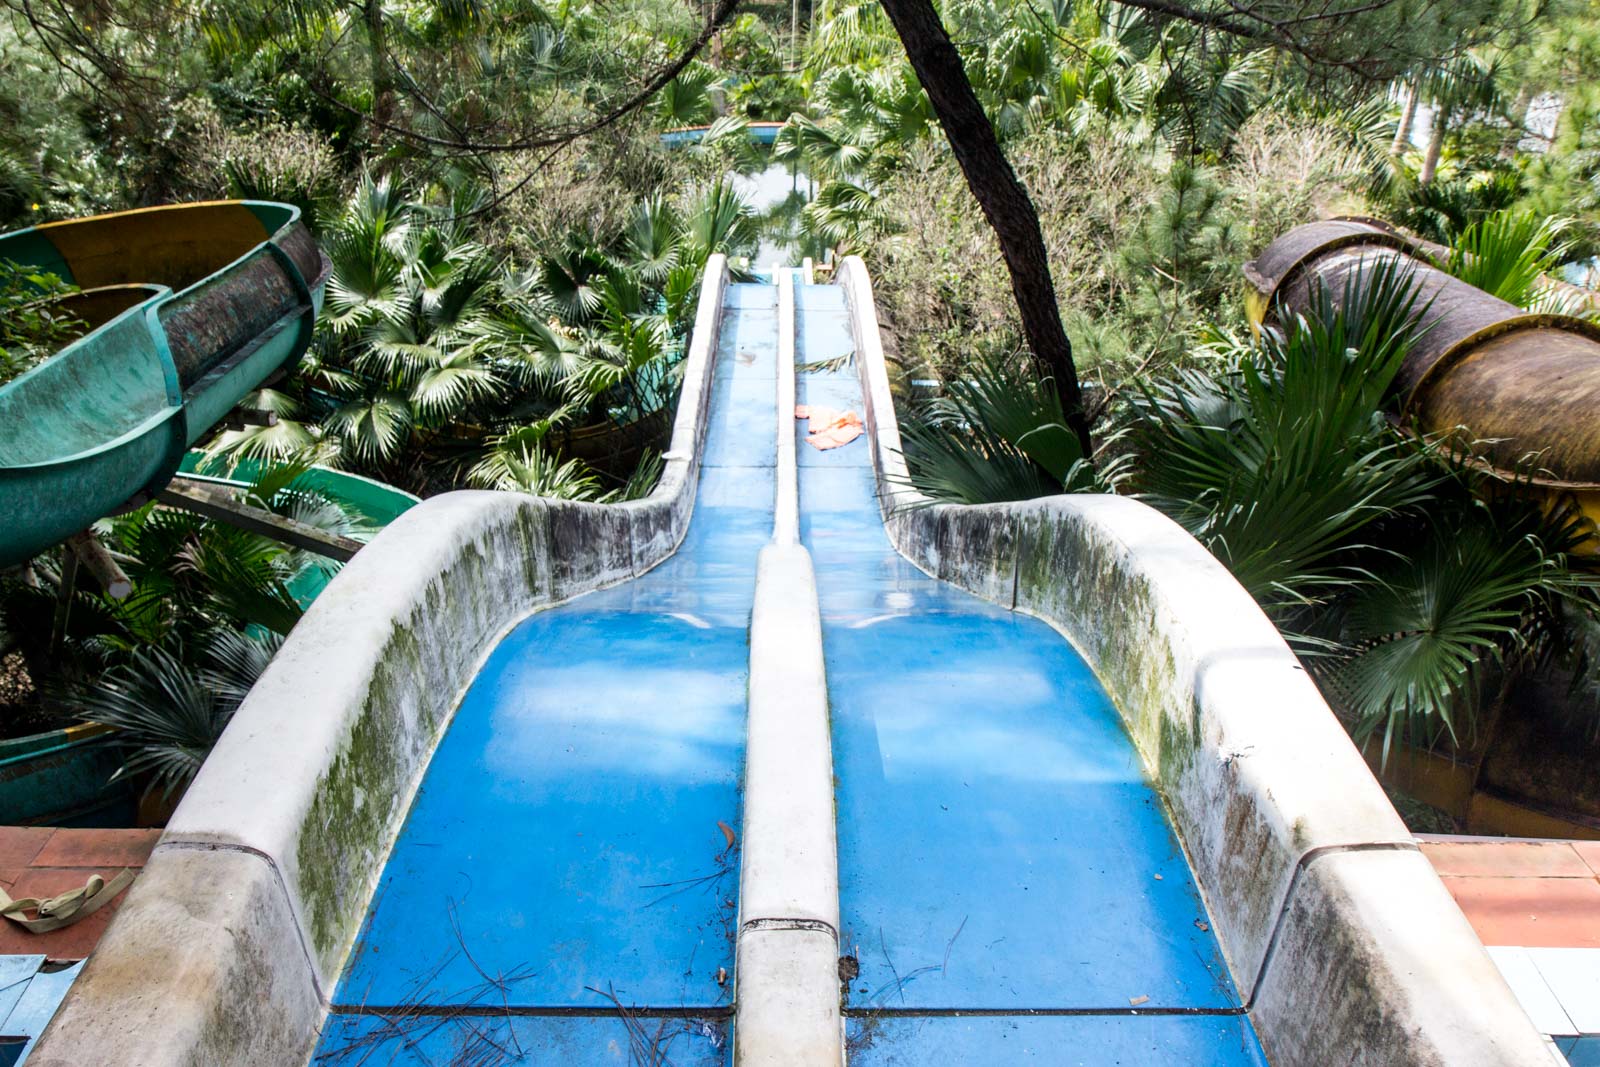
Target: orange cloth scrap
{"x": 829, "y": 428}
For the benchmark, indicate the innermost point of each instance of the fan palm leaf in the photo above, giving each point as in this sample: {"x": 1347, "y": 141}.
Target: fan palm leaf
{"x": 520, "y": 462}
{"x": 997, "y": 434}
{"x": 717, "y": 219}
{"x": 570, "y": 276}
{"x": 373, "y": 427}
{"x": 1505, "y": 254}
{"x": 651, "y": 240}
{"x": 685, "y": 100}
{"x": 450, "y": 383}
{"x": 168, "y": 713}
{"x": 1486, "y": 589}
{"x": 1281, "y": 462}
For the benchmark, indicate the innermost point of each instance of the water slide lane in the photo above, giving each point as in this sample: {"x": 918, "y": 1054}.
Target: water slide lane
{"x": 1000, "y": 848}
{"x": 566, "y": 836}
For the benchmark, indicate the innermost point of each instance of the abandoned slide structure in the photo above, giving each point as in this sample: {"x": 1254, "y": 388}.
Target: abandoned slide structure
{"x": 185, "y": 309}
{"x": 785, "y": 765}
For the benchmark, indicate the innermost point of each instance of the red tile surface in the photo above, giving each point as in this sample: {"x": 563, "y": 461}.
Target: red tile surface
{"x": 59, "y": 860}
{"x": 1590, "y": 851}
{"x": 1507, "y": 859}
{"x": 20, "y": 844}
{"x": 1533, "y": 912}
{"x": 97, "y": 848}
{"x": 69, "y": 943}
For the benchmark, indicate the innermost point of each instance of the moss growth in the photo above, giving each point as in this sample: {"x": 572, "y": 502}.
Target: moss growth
{"x": 425, "y": 663}
{"x": 345, "y": 833}
{"x": 422, "y": 667}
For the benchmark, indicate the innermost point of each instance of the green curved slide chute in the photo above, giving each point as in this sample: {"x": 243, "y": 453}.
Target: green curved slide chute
{"x": 189, "y": 308}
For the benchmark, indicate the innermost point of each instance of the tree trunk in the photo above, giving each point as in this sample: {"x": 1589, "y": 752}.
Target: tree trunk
{"x": 1408, "y": 113}
{"x": 1430, "y": 161}
{"x": 1519, "y": 123}
{"x": 378, "y": 58}
{"x": 999, "y": 193}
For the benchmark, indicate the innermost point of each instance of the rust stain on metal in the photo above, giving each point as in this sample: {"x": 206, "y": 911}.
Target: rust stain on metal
{"x": 1525, "y": 386}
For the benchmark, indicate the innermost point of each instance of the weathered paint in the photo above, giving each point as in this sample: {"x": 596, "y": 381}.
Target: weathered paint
{"x": 62, "y": 778}
{"x": 1525, "y": 386}
{"x": 1000, "y": 846}
{"x": 228, "y": 293}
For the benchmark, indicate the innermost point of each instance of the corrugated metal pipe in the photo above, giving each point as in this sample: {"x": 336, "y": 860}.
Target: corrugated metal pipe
{"x": 1525, "y": 386}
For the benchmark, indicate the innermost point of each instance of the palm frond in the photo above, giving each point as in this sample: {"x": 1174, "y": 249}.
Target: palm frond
{"x": 1279, "y": 462}
{"x": 717, "y": 219}
{"x": 170, "y": 713}
{"x": 651, "y": 240}
{"x": 517, "y": 464}
{"x": 449, "y": 384}
{"x": 1419, "y": 643}
{"x": 1505, "y": 254}
{"x": 372, "y": 428}
{"x": 998, "y": 434}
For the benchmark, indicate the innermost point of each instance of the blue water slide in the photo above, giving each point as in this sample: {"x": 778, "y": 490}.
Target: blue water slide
{"x": 732, "y": 775}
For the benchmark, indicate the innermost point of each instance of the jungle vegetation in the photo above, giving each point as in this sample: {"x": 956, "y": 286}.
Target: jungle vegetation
{"x": 1054, "y": 197}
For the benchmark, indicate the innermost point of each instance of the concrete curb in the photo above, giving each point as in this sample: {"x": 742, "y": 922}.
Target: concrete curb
{"x": 305, "y": 792}
{"x": 788, "y": 947}
{"x": 1267, "y": 793}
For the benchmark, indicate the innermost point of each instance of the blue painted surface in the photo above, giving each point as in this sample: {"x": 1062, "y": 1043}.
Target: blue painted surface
{"x": 999, "y": 845}
{"x": 1057, "y": 1041}
{"x": 565, "y": 838}
{"x": 758, "y": 133}
{"x": 39, "y": 1003}
{"x": 30, "y": 993}
{"x": 15, "y": 974}
{"x": 1582, "y": 1051}
{"x": 433, "y": 1041}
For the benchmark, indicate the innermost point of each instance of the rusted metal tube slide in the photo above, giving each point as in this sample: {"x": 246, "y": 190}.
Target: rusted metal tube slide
{"x": 1525, "y": 386}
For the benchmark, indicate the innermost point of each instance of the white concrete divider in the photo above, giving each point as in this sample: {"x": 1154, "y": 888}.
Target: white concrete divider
{"x": 227, "y": 946}
{"x": 786, "y": 508}
{"x": 788, "y": 949}
{"x": 1340, "y": 939}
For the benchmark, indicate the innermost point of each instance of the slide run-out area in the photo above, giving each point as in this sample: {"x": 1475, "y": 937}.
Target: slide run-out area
{"x": 565, "y": 889}
{"x": 1009, "y": 884}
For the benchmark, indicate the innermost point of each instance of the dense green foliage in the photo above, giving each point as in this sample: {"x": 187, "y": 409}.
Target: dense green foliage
{"x": 503, "y": 292}
{"x": 32, "y": 324}
{"x": 1416, "y": 587}
{"x": 1161, "y": 154}
{"x": 197, "y": 586}
{"x": 438, "y": 355}
{"x": 515, "y": 259}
